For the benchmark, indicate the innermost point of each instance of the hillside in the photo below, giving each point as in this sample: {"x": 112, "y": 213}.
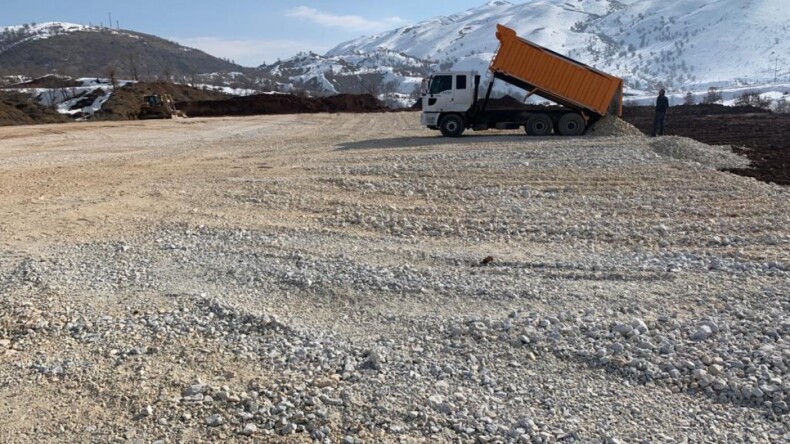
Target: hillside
{"x": 126, "y": 102}
{"x": 376, "y": 72}
{"x": 21, "y": 109}
{"x": 77, "y": 50}
{"x": 681, "y": 44}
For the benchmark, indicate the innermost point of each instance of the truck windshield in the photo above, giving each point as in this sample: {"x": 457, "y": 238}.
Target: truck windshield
{"x": 441, "y": 84}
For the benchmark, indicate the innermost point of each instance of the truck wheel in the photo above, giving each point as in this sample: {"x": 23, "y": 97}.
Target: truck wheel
{"x": 452, "y": 126}
{"x": 539, "y": 125}
{"x": 571, "y": 124}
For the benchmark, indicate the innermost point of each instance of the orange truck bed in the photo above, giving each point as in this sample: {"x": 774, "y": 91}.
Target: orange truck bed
{"x": 555, "y": 77}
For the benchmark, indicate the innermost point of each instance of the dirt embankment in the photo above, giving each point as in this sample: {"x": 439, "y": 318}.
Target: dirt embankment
{"x": 18, "y": 108}
{"x": 282, "y": 104}
{"x": 51, "y": 81}
{"x": 762, "y": 136}
{"x": 21, "y": 109}
{"x": 126, "y": 102}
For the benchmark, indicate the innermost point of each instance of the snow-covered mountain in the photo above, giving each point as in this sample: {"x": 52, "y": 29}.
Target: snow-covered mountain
{"x": 681, "y": 44}
{"x": 379, "y": 72}
{"x": 11, "y": 36}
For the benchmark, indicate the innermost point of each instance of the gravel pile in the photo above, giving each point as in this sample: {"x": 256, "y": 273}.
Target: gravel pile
{"x": 714, "y": 156}
{"x": 610, "y": 126}
{"x": 403, "y": 288}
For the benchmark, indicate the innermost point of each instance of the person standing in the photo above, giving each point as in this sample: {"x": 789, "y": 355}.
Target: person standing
{"x": 662, "y": 104}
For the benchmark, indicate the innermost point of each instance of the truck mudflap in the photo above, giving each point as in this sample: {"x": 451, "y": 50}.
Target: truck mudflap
{"x": 430, "y": 119}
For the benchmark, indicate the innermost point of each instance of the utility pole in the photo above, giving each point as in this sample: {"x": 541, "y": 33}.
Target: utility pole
{"x": 109, "y": 14}
{"x": 776, "y": 65}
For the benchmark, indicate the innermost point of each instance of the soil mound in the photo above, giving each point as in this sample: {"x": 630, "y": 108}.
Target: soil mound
{"x": 21, "y": 109}
{"x": 760, "y": 135}
{"x": 353, "y": 103}
{"x": 127, "y": 101}
{"x": 282, "y": 104}
{"x": 50, "y": 81}
{"x": 10, "y": 115}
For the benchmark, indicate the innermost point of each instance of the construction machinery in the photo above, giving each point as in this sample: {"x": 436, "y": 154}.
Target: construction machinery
{"x": 584, "y": 94}
{"x": 158, "y": 107}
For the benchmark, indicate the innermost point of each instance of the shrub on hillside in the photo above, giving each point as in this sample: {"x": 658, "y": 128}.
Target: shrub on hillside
{"x": 712, "y": 96}
{"x": 782, "y": 106}
{"x": 753, "y": 98}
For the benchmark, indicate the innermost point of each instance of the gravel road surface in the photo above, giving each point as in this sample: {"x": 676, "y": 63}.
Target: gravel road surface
{"x": 358, "y": 279}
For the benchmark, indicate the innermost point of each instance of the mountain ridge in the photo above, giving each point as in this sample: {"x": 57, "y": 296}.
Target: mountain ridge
{"x": 83, "y": 50}
{"x": 676, "y": 43}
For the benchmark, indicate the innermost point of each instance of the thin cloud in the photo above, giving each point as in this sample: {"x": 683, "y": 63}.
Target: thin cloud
{"x": 250, "y": 52}
{"x": 348, "y": 22}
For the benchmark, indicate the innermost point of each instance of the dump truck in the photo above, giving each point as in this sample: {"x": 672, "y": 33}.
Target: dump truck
{"x": 583, "y": 94}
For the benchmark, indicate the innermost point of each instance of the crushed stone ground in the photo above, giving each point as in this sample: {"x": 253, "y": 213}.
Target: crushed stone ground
{"x": 356, "y": 278}
{"x": 714, "y": 156}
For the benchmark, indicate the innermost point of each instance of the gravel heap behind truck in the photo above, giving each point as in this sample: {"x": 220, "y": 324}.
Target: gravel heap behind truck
{"x": 450, "y": 100}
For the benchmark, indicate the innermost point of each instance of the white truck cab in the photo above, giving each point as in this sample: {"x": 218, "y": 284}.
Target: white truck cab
{"x": 446, "y": 92}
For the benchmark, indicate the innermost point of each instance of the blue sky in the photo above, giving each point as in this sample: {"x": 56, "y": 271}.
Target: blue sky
{"x": 247, "y": 31}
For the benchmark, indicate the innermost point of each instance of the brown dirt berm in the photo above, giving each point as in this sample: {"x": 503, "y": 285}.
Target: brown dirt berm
{"x": 762, "y": 136}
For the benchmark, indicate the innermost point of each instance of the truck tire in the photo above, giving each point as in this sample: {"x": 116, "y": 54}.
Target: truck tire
{"x": 571, "y": 124}
{"x": 452, "y": 126}
{"x": 539, "y": 125}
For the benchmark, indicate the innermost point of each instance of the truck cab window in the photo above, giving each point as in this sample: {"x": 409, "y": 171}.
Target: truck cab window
{"x": 441, "y": 84}
{"x": 460, "y": 82}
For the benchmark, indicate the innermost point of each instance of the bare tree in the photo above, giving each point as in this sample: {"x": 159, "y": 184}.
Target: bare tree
{"x": 133, "y": 63}
{"x": 388, "y": 92}
{"x": 753, "y": 98}
{"x": 73, "y": 92}
{"x": 51, "y": 96}
{"x": 370, "y": 84}
{"x": 66, "y": 93}
{"x": 167, "y": 72}
{"x": 194, "y": 79}
{"x": 112, "y": 75}
{"x": 416, "y": 92}
{"x": 782, "y": 106}
{"x": 689, "y": 99}
{"x": 712, "y": 96}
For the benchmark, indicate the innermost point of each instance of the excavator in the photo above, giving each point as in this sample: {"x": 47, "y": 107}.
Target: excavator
{"x": 159, "y": 107}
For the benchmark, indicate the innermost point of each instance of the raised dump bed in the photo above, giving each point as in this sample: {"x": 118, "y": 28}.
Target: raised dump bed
{"x": 555, "y": 77}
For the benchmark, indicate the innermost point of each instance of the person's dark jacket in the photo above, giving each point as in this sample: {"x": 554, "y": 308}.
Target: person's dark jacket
{"x": 662, "y": 103}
